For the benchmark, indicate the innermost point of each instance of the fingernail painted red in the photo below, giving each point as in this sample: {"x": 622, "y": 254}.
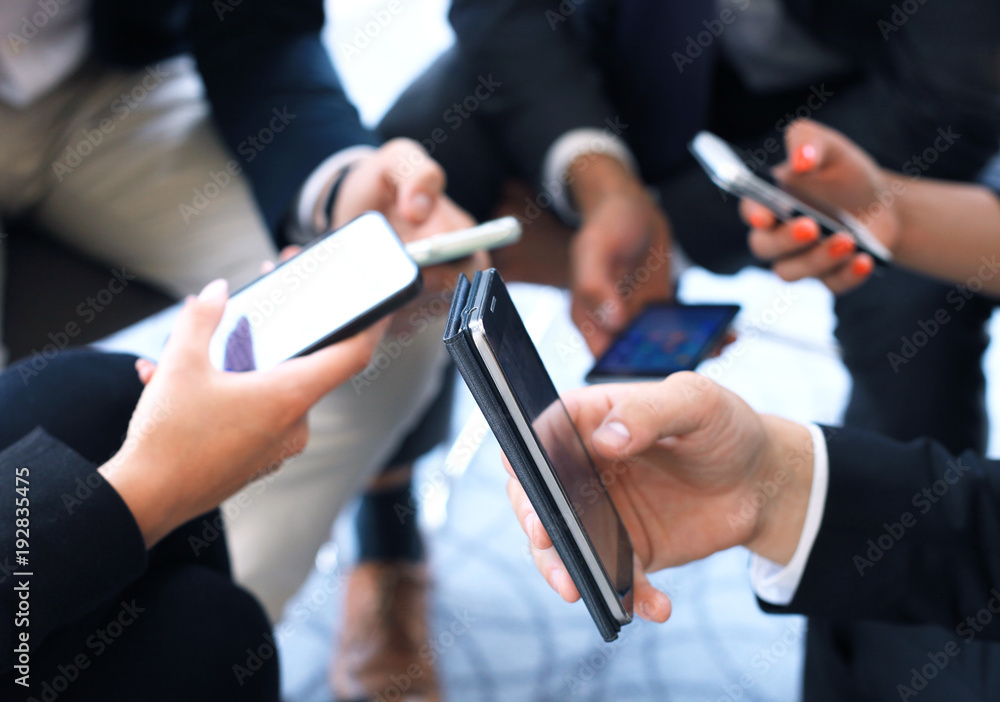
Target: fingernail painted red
{"x": 862, "y": 267}
{"x": 841, "y": 246}
{"x": 804, "y": 158}
{"x": 805, "y": 230}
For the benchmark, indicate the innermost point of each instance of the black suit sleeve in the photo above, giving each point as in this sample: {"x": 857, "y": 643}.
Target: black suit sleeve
{"x": 547, "y": 85}
{"x": 83, "y": 542}
{"x": 910, "y": 534}
{"x": 274, "y": 93}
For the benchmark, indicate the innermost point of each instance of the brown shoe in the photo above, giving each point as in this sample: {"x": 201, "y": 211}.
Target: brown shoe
{"x": 384, "y": 630}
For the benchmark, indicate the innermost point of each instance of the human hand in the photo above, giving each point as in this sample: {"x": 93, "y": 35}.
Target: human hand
{"x": 825, "y": 164}
{"x": 405, "y": 184}
{"x": 199, "y": 434}
{"x": 684, "y": 461}
{"x": 619, "y": 260}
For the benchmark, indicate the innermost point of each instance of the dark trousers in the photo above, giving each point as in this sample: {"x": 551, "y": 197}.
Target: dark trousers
{"x": 197, "y": 625}
{"x": 938, "y": 390}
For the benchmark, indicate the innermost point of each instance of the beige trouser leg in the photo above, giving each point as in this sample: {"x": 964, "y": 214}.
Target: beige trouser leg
{"x": 105, "y": 164}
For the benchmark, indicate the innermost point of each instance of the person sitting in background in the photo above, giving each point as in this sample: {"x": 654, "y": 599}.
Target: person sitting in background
{"x": 844, "y": 523}
{"x": 127, "y": 595}
{"x": 183, "y": 168}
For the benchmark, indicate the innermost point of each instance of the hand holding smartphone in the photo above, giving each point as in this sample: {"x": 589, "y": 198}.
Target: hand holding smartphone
{"x": 728, "y": 171}
{"x": 491, "y": 347}
{"x": 335, "y": 287}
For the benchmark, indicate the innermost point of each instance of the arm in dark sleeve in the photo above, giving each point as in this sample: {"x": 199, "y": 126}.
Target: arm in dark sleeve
{"x": 275, "y": 96}
{"x": 545, "y": 85}
{"x": 929, "y": 101}
{"x": 84, "y": 543}
{"x": 910, "y": 534}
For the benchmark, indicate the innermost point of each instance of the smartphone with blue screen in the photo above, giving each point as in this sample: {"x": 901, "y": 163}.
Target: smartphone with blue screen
{"x": 665, "y": 338}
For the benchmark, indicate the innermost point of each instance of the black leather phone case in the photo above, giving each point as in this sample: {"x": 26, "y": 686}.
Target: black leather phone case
{"x": 459, "y": 342}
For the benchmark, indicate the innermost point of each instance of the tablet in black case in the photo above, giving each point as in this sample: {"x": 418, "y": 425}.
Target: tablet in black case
{"x": 490, "y": 346}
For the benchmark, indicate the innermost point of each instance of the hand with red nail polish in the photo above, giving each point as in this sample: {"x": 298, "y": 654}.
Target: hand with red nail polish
{"x": 824, "y": 165}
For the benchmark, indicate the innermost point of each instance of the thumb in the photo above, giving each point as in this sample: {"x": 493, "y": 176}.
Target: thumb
{"x": 677, "y": 406}
{"x": 316, "y": 374}
{"x": 419, "y": 192}
{"x": 197, "y": 321}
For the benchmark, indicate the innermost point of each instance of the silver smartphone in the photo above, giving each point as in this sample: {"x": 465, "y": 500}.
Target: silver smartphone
{"x": 455, "y": 245}
{"x": 335, "y": 287}
{"x": 728, "y": 171}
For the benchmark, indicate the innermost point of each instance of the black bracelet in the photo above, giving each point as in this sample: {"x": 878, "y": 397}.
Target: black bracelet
{"x": 331, "y": 199}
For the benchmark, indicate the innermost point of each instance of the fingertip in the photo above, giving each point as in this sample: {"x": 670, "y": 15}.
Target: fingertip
{"x": 804, "y": 158}
{"x": 863, "y": 265}
{"x": 759, "y": 216}
{"x": 805, "y": 230}
{"x": 217, "y": 290}
{"x": 614, "y": 435}
{"x": 420, "y": 206}
{"x": 655, "y": 606}
{"x": 840, "y": 245}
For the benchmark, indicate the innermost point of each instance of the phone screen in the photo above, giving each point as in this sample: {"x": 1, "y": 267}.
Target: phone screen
{"x": 311, "y": 297}
{"x": 665, "y": 339}
{"x": 559, "y": 441}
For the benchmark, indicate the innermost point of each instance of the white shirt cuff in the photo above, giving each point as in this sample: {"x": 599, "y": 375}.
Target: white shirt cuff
{"x": 770, "y": 581}
{"x": 568, "y": 148}
{"x": 311, "y": 218}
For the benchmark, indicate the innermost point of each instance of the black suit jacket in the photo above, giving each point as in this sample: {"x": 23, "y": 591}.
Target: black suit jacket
{"x": 910, "y": 535}
{"x": 261, "y": 61}
{"x": 908, "y": 77}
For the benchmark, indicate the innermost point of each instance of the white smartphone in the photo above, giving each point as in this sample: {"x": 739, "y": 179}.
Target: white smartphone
{"x": 728, "y": 171}
{"x": 452, "y": 246}
{"x": 335, "y": 287}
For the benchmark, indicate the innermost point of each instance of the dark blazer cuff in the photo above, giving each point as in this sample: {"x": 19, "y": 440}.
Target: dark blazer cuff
{"x": 83, "y": 544}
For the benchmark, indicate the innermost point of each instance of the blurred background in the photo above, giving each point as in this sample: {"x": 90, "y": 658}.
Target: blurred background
{"x": 500, "y": 632}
